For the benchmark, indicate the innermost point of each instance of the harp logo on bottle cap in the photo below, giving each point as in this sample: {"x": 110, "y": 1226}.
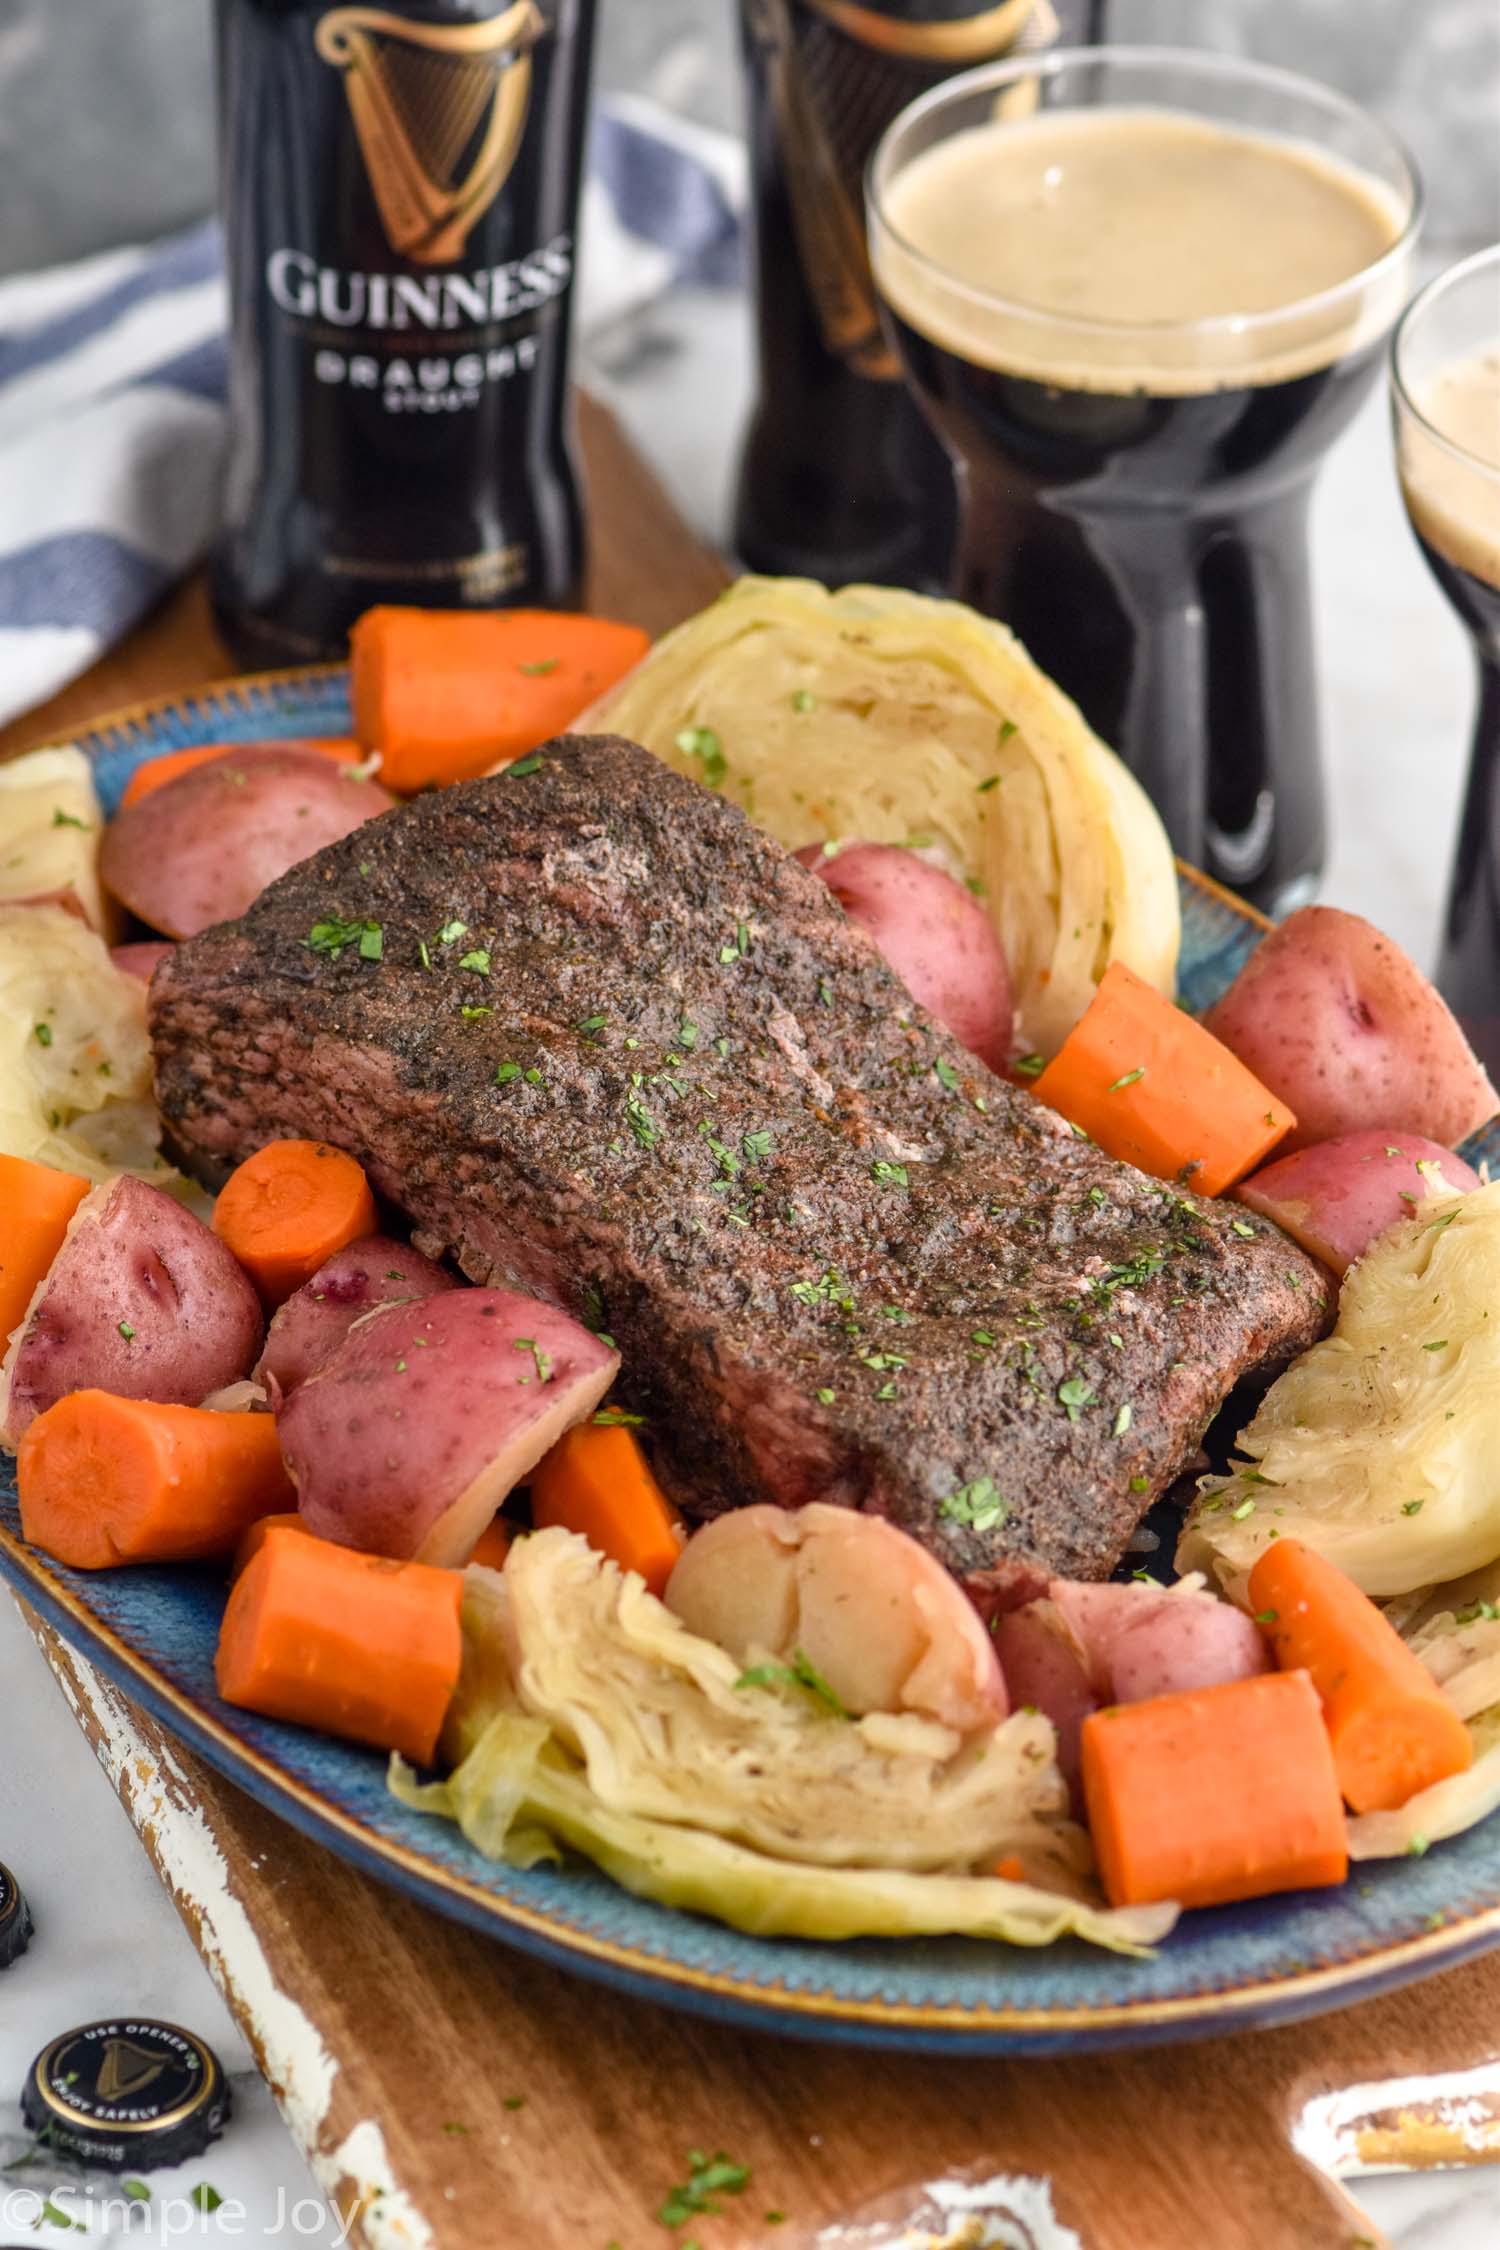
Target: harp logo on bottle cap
{"x": 439, "y": 110}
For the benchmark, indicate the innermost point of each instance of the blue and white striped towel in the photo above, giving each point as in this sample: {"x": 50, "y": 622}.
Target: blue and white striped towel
{"x": 112, "y": 377}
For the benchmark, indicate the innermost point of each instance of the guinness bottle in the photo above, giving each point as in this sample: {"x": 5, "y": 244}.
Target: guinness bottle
{"x": 841, "y": 477}
{"x": 400, "y": 189}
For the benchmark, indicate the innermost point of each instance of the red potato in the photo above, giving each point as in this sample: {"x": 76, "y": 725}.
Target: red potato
{"x": 201, "y": 848}
{"x": 142, "y": 959}
{"x": 1045, "y": 1668}
{"x": 1337, "y": 1196}
{"x": 1336, "y": 1020}
{"x": 408, "y": 1437}
{"x": 314, "y": 1321}
{"x": 142, "y": 1300}
{"x": 936, "y": 937}
{"x": 884, "y": 1624}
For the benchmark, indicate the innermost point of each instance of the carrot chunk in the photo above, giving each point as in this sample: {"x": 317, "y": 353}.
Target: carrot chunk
{"x": 596, "y": 1481}
{"x": 288, "y": 1208}
{"x": 1152, "y": 1087}
{"x": 157, "y": 772}
{"x": 355, "y": 1644}
{"x": 1221, "y": 1793}
{"x": 443, "y": 694}
{"x": 1393, "y": 1730}
{"x": 105, "y": 1480}
{"x": 255, "y": 1538}
{"x": 36, "y": 1204}
{"x": 495, "y": 1542}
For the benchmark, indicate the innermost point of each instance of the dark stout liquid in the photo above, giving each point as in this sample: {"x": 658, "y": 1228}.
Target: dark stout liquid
{"x": 400, "y": 278}
{"x": 1151, "y": 554}
{"x": 1469, "y": 969}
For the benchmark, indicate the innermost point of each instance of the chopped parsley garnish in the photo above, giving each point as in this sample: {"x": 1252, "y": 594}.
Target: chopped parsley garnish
{"x": 1131, "y": 1276}
{"x": 757, "y": 1145}
{"x": 43, "y": 1033}
{"x": 641, "y": 1121}
{"x": 136, "y": 2191}
{"x": 1006, "y": 729}
{"x": 61, "y": 819}
{"x": 702, "y": 742}
{"x": 205, "y": 2198}
{"x": 1139, "y": 1484}
{"x": 422, "y": 953}
{"x": 335, "y": 935}
{"x": 709, "y": 2177}
{"x": 979, "y": 1504}
{"x": 800, "y": 1673}
{"x": 1411, "y": 1507}
{"x": 528, "y": 764}
{"x": 1131, "y": 1078}
{"x": 986, "y": 786}
{"x": 543, "y": 1363}
{"x": 618, "y": 1417}
{"x": 126, "y": 1330}
{"x": 1241, "y": 1227}
{"x": 1245, "y": 1508}
{"x": 1487, "y": 1613}
{"x": 889, "y": 1175}
{"x": 1074, "y": 1395}
{"x": 1439, "y": 1344}
{"x": 1123, "y": 1416}
{"x": 946, "y": 1075}
{"x": 1029, "y": 1066}
{"x": 825, "y": 993}
{"x": 451, "y": 932}
{"x": 984, "y": 1336}
{"x": 592, "y": 1023}
{"x": 687, "y": 1034}
{"x": 533, "y": 1076}
{"x": 804, "y": 700}
{"x": 825, "y": 1397}
{"x": 478, "y": 961}
{"x": 469, "y": 1013}
{"x": 505, "y": 1072}
{"x": 540, "y": 667}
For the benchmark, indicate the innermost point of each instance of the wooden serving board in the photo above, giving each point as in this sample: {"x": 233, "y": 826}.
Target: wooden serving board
{"x": 452, "y": 2095}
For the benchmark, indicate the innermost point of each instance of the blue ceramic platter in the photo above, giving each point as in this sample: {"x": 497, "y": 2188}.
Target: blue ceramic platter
{"x": 154, "y": 1632}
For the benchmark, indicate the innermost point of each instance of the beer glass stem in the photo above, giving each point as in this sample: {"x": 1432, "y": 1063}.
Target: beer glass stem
{"x": 1467, "y": 976}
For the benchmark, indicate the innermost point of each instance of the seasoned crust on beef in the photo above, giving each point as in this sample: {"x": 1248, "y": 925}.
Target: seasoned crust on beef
{"x": 840, "y": 1259}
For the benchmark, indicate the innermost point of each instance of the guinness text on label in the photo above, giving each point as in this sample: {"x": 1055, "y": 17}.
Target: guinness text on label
{"x": 300, "y": 286}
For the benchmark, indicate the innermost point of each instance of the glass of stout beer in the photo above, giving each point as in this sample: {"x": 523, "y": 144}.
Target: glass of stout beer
{"x": 1445, "y": 384}
{"x": 1138, "y": 292}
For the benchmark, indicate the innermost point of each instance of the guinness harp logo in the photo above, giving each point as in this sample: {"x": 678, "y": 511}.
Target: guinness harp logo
{"x": 439, "y": 110}
{"x": 126, "y": 2070}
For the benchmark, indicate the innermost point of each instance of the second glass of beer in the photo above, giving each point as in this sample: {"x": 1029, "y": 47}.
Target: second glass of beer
{"x": 1138, "y": 293}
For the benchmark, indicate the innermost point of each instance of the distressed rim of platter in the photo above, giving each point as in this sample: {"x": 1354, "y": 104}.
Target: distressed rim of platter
{"x": 804, "y": 2011}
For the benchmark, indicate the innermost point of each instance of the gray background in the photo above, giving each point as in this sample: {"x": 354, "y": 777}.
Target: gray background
{"x": 106, "y": 124}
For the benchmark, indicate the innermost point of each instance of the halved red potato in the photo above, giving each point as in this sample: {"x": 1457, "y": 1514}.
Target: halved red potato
{"x": 1334, "y": 1018}
{"x": 936, "y": 937}
{"x": 142, "y": 958}
{"x": 142, "y": 1300}
{"x": 201, "y": 848}
{"x": 1140, "y": 1640}
{"x": 316, "y": 1318}
{"x": 1337, "y": 1196}
{"x": 881, "y": 1621}
{"x": 408, "y": 1437}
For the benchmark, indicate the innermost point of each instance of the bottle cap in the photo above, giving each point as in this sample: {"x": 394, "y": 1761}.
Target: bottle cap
{"x": 127, "y": 2096}
{"x": 15, "y": 1919}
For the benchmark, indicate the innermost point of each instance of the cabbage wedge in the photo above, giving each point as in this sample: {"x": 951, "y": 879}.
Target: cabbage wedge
{"x": 891, "y": 717}
{"x": 1379, "y": 1446}
{"x": 75, "y": 1062}
{"x": 589, "y": 1717}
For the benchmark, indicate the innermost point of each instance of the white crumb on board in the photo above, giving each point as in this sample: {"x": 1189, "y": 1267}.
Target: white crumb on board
{"x": 1465, "y": 2103}
{"x": 297, "y": 2063}
{"x": 1011, "y": 2211}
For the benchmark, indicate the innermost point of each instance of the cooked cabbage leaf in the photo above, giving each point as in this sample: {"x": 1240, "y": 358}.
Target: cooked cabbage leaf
{"x": 518, "y": 1788}
{"x": 666, "y": 1729}
{"x": 50, "y": 825}
{"x": 75, "y": 1062}
{"x": 876, "y": 714}
{"x": 1379, "y": 1446}
{"x": 588, "y": 1716}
